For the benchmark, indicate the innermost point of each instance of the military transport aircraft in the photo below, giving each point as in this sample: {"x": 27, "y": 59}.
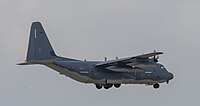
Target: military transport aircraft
{"x": 141, "y": 69}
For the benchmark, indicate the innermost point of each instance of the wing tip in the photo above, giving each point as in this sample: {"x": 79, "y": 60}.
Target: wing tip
{"x": 154, "y": 51}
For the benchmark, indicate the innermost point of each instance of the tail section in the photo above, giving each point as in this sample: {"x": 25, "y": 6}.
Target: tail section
{"x": 40, "y": 50}
{"x": 39, "y": 47}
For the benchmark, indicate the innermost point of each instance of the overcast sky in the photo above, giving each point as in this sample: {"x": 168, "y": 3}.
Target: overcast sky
{"x": 92, "y": 30}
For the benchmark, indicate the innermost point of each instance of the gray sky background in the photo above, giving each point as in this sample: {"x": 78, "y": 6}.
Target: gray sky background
{"x": 93, "y": 29}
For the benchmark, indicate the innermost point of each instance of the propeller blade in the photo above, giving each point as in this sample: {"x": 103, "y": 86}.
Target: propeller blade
{"x": 155, "y": 58}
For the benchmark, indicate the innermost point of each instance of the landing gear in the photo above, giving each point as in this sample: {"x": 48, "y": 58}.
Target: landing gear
{"x": 107, "y": 86}
{"x": 117, "y": 85}
{"x": 98, "y": 86}
{"x": 156, "y": 85}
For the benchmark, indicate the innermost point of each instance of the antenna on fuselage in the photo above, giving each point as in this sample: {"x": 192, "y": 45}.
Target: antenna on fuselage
{"x": 116, "y": 58}
{"x": 105, "y": 58}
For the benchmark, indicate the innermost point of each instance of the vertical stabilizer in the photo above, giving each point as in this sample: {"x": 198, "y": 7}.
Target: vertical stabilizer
{"x": 39, "y": 47}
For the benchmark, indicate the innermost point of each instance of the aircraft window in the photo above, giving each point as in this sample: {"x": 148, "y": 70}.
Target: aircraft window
{"x": 162, "y": 67}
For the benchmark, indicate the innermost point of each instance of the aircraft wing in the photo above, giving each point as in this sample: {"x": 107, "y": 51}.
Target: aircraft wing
{"x": 124, "y": 61}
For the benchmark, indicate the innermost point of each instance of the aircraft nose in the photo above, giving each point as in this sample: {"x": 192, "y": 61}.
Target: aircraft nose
{"x": 170, "y": 76}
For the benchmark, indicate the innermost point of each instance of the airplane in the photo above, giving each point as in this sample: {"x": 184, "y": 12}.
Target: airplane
{"x": 140, "y": 69}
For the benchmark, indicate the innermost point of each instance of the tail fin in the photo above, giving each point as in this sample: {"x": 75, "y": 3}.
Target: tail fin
{"x": 39, "y": 47}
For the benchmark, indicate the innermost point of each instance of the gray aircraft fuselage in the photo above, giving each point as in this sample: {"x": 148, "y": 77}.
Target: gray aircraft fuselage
{"x": 86, "y": 72}
{"x": 133, "y": 70}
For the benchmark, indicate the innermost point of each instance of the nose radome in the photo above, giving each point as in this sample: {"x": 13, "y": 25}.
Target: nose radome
{"x": 171, "y": 76}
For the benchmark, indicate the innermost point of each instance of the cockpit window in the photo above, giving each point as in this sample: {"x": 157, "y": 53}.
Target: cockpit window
{"x": 162, "y": 67}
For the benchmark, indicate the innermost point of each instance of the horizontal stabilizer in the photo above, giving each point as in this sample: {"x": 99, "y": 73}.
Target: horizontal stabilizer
{"x": 24, "y": 63}
{"x": 30, "y": 62}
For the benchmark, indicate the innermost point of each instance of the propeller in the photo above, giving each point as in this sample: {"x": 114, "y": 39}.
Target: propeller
{"x": 155, "y": 58}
